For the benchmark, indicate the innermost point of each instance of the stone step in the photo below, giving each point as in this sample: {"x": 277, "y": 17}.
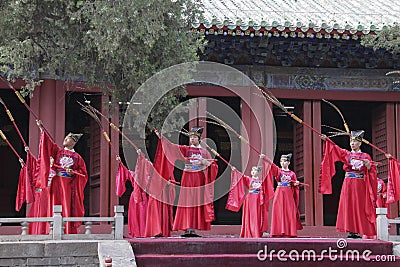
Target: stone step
{"x": 251, "y": 260}
{"x": 222, "y": 251}
{"x": 253, "y": 245}
{"x": 49, "y": 253}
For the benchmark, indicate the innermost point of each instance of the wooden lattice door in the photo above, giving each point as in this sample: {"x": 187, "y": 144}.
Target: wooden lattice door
{"x": 380, "y": 133}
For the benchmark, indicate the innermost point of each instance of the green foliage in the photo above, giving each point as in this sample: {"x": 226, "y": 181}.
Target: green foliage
{"x": 388, "y": 38}
{"x": 102, "y": 42}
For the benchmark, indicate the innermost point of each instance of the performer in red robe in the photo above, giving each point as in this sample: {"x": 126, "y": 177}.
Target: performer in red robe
{"x": 356, "y": 213}
{"x": 254, "y": 194}
{"x": 285, "y": 217}
{"x": 195, "y": 205}
{"x": 393, "y": 185}
{"x": 382, "y": 195}
{"x": 160, "y": 187}
{"x": 138, "y": 199}
{"x": 66, "y": 187}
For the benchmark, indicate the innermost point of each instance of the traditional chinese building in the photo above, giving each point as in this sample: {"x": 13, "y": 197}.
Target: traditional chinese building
{"x": 306, "y": 51}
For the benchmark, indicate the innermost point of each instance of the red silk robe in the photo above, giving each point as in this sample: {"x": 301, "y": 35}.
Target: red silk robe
{"x": 245, "y": 191}
{"x": 285, "y": 218}
{"x": 393, "y": 185}
{"x": 195, "y": 205}
{"x": 38, "y": 197}
{"x": 138, "y": 199}
{"x": 381, "y": 199}
{"x": 40, "y": 208}
{"x": 382, "y": 196}
{"x": 64, "y": 189}
{"x": 26, "y": 182}
{"x": 357, "y": 202}
{"x": 161, "y": 195}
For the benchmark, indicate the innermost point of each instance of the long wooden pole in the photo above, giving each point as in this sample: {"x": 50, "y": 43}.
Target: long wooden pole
{"x": 241, "y": 138}
{"x": 113, "y": 126}
{"x": 10, "y": 116}
{"x": 3, "y": 136}
{"x": 348, "y": 130}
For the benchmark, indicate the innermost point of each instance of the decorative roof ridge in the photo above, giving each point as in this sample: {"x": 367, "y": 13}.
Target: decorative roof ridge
{"x": 291, "y": 25}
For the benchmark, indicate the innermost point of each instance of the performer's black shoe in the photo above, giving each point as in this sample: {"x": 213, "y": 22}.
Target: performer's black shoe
{"x": 190, "y": 234}
{"x": 158, "y": 236}
{"x": 353, "y": 235}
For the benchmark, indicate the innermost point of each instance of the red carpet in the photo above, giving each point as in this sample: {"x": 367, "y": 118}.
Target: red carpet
{"x": 221, "y": 247}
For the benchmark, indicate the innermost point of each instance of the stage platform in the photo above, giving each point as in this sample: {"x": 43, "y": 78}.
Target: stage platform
{"x": 222, "y": 247}
{"x": 315, "y": 246}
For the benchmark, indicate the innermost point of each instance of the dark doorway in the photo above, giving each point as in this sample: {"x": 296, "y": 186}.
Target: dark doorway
{"x": 9, "y": 165}
{"x": 230, "y": 149}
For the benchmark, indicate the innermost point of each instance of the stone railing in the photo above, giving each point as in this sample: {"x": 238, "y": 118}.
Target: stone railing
{"x": 382, "y": 226}
{"x": 57, "y": 226}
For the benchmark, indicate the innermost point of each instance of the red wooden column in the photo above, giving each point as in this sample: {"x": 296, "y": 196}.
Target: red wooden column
{"x": 390, "y": 130}
{"x": 259, "y": 128}
{"x": 59, "y": 104}
{"x": 48, "y": 103}
{"x": 395, "y": 208}
{"x": 269, "y": 144}
{"x": 308, "y": 164}
{"x": 34, "y": 133}
{"x": 317, "y": 206}
{"x": 115, "y": 139}
{"x": 268, "y": 132}
{"x": 104, "y": 164}
{"x": 47, "y": 106}
{"x": 249, "y": 132}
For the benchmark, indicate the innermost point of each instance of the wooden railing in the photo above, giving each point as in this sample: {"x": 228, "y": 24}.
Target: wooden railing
{"x": 57, "y": 223}
{"x": 382, "y": 226}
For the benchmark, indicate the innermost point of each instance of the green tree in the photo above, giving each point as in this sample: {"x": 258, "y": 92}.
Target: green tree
{"x": 388, "y": 38}
{"x": 118, "y": 43}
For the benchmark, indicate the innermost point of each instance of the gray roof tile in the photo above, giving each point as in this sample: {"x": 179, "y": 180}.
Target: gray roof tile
{"x": 354, "y": 15}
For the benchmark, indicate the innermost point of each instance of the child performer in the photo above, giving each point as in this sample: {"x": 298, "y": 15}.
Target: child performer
{"x": 285, "y": 219}
{"x": 254, "y": 194}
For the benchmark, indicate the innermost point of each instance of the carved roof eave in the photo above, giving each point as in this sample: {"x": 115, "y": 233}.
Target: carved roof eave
{"x": 285, "y": 29}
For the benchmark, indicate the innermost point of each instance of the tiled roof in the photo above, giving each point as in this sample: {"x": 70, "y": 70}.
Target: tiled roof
{"x": 326, "y": 16}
